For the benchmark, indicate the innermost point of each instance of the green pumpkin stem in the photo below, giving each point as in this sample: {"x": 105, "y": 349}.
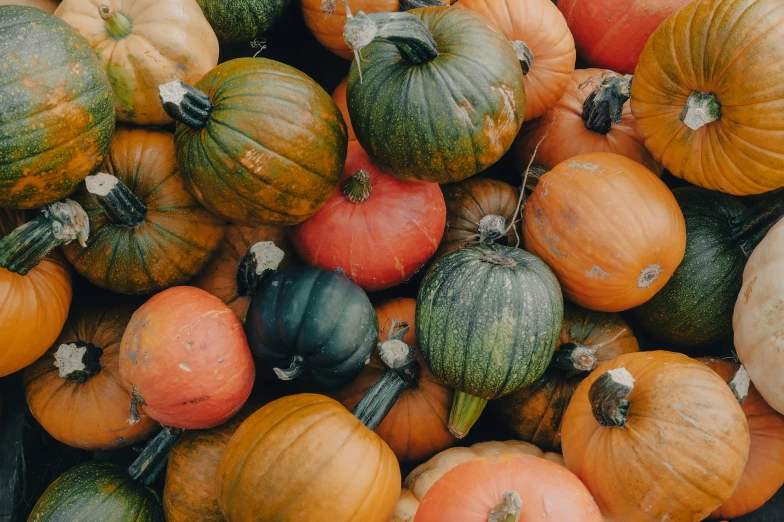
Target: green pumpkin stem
{"x": 753, "y": 225}
{"x": 57, "y": 224}
{"x": 604, "y": 106}
{"x": 466, "y": 410}
{"x": 609, "y": 396}
{"x": 152, "y": 460}
{"x": 403, "y": 30}
{"x": 294, "y": 370}
{"x": 574, "y": 357}
{"x": 739, "y": 384}
{"x": 185, "y": 104}
{"x": 508, "y": 510}
{"x": 524, "y": 55}
{"x": 121, "y": 206}
{"x": 491, "y": 228}
{"x": 407, "y": 5}
{"x": 117, "y": 24}
{"x": 700, "y": 109}
{"x": 357, "y": 187}
{"x": 78, "y": 361}
{"x": 261, "y": 260}
{"x": 402, "y": 374}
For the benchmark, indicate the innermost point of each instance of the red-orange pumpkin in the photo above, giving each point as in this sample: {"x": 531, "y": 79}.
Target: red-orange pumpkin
{"x": 339, "y": 97}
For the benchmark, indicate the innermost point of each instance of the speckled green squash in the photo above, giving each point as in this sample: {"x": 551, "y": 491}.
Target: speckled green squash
{"x": 445, "y": 119}
{"x": 56, "y": 112}
{"x": 695, "y": 306}
{"x": 242, "y": 20}
{"x": 97, "y": 491}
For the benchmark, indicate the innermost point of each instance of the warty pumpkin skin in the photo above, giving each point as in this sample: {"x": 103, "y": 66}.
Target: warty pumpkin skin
{"x": 244, "y": 20}
{"x": 704, "y": 98}
{"x": 426, "y": 110}
{"x": 143, "y": 44}
{"x": 542, "y": 28}
{"x": 44, "y": 5}
{"x": 655, "y": 435}
{"x": 56, "y": 111}
{"x": 593, "y": 115}
{"x": 764, "y": 471}
{"x": 339, "y": 97}
{"x": 305, "y": 457}
{"x": 75, "y": 391}
{"x": 270, "y": 151}
{"x": 150, "y": 234}
{"x": 608, "y": 227}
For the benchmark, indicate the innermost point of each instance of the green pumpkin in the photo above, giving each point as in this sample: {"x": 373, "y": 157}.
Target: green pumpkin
{"x": 258, "y": 142}
{"x": 242, "y": 20}
{"x": 695, "y": 306}
{"x": 488, "y": 318}
{"x": 440, "y": 96}
{"x": 97, "y": 491}
{"x": 56, "y": 111}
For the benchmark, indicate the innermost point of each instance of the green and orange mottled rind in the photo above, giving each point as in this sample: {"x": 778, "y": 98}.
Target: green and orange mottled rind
{"x": 56, "y": 113}
{"x": 242, "y": 20}
{"x": 273, "y": 148}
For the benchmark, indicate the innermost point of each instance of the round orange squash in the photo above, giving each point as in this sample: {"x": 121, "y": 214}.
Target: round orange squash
{"x": 339, "y": 97}
{"x": 608, "y": 227}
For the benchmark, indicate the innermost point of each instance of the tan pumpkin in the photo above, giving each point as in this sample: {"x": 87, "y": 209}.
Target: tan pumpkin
{"x": 44, "y": 5}
{"x": 143, "y": 44}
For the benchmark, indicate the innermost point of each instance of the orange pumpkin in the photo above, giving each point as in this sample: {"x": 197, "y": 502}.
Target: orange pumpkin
{"x": 608, "y": 227}
{"x": 415, "y": 428}
{"x": 542, "y": 27}
{"x": 339, "y": 97}
{"x": 655, "y": 436}
{"x": 75, "y": 392}
{"x": 764, "y": 471}
{"x": 593, "y": 115}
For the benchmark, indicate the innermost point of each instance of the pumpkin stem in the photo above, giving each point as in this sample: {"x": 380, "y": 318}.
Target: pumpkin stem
{"x": 121, "y": 206}
{"x": 152, "y": 460}
{"x": 608, "y": 396}
{"x": 357, "y": 187}
{"x": 524, "y": 54}
{"x": 406, "y": 32}
{"x": 185, "y": 104}
{"x": 78, "y": 361}
{"x": 407, "y": 5}
{"x": 535, "y": 173}
{"x": 752, "y": 226}
{"x": 497, "y": 259}
{"x": 508, "y": 510}
{"x": 117, "y": 24}
{"x": 57, "y": 224}
{"x": 261, "y": 260}
{"x": 491, "y": 227}
{"x": 573, "y": 356}
{"x": 136, "y": 400}
{"x": 700, "y": 110}
{"x": 466, "y": 410}
{"x": 293, "y": 371}
{"x": 604, "y": 106}
{"x": 739, "y": 384}
{"x": 402, "y": 374}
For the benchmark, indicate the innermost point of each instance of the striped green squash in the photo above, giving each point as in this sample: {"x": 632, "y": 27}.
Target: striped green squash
{"x": 242, "y": 20}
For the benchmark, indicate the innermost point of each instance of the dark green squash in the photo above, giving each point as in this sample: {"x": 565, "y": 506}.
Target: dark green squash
{"x": 56, "y": 112}
{"x": 440, "y": 94}
{"x": 311, "y": 322}
{"x": 258, "y": 142}
{"x": 242, "y": 20}
{"x": 695, "y": 307}
{"x": 488, "y": 318}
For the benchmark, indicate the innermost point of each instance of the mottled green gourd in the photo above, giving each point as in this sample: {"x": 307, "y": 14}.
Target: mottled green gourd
{"x": 488, "y": 318}
{"x": 695, "y": 306}
{"x": 242, "y": 20}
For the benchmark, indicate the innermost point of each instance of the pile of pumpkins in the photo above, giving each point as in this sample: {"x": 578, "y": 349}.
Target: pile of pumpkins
{"x": 262, "y": 215}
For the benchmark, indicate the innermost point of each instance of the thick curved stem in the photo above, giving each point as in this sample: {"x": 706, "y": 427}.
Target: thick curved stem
{"x": 524, "y": 55}
{"x": 57, "y": 224}
{"x": 491, "y": 227}
{"x": 574, "y": 357}
{"x": 466, "y": 410}
{"x": 604, "y": 106}
{"x": 357, "y": 187}
{"x": 406, "y": 32}
{"x": 407, "y": 5}
{"x": 752, "y": 226}
{"x": 117, "y": 24}
{"x": 508, "y": 510}
{"x": 146, "y": 468}
{"x": 78, "y": 361}
{"x": 739, "y": 384}
{"x": 700, "y": 110}
{"x": 261, "y": 260}
{"x": 121, "y": 205}
{"x": 185, "y": 104}
{"x": 609, "y": 396}
{"x": 294, "y": 370}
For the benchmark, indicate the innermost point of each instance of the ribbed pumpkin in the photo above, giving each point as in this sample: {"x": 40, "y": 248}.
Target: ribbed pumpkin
{"x": 705, "y": 98}
{"x": 75, "y": 390}
{"x": 764, "y": 471}
{"x": 655, "y": 435}
{"x": 542, "y": 28}
{"x": 147, "y": 232}
{"x": 44, "y": 5}
{"x": 696, "y": 305}
{"x": 473, "y": 208}
{"x": 423, "y": 109}
{"x": 608, "y": 227}
{"x": 258, "y": 142}
{"x": 339, "y": 97}
{"x": 380, "y": 230}
{"x": 487, "y": 322}
{"x": 242, "y": 21}
{"x": 587, "y": 339}
{"x": 593, "y": 115}
{"x": 415, "y": 427}
{"x": 61, "y": 120}
{"x": 138, "y": 55}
